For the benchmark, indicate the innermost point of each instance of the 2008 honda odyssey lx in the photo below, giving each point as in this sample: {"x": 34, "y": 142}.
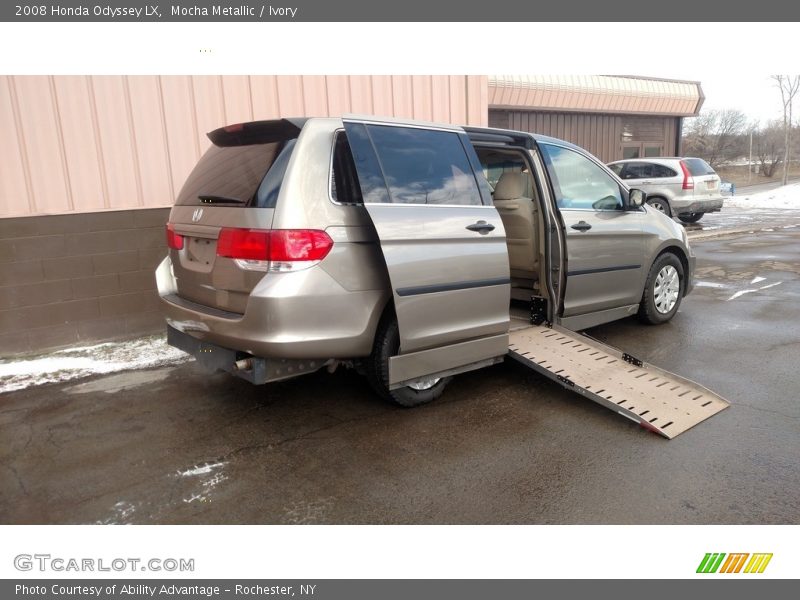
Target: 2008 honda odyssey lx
{"x": 407, "y": 250}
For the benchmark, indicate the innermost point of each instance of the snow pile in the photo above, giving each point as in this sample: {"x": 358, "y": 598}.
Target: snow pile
{"x": 73, "y": 363}
{"x": 787, "y": 196}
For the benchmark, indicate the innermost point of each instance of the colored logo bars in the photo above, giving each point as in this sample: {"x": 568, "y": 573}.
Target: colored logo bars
{"x": 733, "y": 563}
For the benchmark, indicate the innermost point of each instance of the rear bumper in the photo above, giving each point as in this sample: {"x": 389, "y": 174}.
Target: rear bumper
{"x": 253, "y": 369}
{"x": 305, "y": 315}
{"x": 680, "y": 207}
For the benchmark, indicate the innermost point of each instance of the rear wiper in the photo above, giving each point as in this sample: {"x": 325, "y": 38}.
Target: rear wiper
{"x": 211, "y": 199}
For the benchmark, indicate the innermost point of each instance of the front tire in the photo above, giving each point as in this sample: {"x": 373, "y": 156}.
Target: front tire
{"x": 660, "y": 205}
{"x": 690, "y": 218}
{"x": 387, "y": 343}
{"x": 663, "y": 290}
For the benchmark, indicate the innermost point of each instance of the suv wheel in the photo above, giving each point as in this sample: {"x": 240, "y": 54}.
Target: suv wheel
{"x": 387, "y": 343}
{"x": 663, "y": 290}
{"x": 691, "y": 217}
{"x": 660, "y": 205}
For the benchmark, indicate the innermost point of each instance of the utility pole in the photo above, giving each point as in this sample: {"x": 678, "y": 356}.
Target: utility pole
{"x": 750, "y": 160}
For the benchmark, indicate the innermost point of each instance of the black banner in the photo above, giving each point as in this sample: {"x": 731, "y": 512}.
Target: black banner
{"x": 393, "y": 589}
{"x": 408, "y": 11}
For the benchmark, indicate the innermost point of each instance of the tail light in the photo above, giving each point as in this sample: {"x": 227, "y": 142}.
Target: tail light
{"x": 688, "y": 182}
{"x": 247, "y": 244}
{"x": 278, "y": 250}
{"x": 174, "y": 240}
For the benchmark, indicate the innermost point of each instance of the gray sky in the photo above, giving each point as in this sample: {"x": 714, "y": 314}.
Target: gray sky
{"x": 754, "y": 94}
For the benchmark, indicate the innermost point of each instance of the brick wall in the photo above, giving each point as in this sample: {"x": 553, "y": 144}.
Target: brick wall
{"x": 75, "y": 278}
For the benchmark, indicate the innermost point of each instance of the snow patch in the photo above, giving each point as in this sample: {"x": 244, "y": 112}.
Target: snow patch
{"x": 201, "y": 469}
{"x": 122, "y": 513}
{"x": 207, "y": 485}
{"x": 308, "y": 512}
{"x": 83, "y": 361}
{"x": 118, "y": 383}
{"x": 787, "y": 196}
{"x": 758, "y": 280}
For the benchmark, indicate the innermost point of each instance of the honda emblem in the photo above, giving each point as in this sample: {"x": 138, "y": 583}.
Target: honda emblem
{"x": 197, "y": 215}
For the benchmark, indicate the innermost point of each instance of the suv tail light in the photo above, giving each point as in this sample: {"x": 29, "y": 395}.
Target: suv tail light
{"x": 688, "y": 182}
{"x": 278, "y": 250}
{"x": 174, "y": 240}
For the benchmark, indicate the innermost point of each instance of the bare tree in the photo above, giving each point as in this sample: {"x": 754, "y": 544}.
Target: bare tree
{"x": 716, "y": 135}
{"x": 789, "y": 86}
{"x": 768, "y": 147}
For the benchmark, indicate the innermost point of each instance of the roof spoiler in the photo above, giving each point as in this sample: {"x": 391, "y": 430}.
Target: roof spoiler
{"x": 257, "y": 132}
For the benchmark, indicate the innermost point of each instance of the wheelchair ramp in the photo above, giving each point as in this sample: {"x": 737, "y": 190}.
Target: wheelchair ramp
{"x": 654, "y": 398}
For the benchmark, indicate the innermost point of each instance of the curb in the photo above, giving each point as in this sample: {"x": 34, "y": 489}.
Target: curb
{"x": 704, "y": 235}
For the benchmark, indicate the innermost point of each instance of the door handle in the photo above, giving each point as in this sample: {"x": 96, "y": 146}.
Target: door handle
{"x": 582, "y": 226}
{"x": 481, "y": 227}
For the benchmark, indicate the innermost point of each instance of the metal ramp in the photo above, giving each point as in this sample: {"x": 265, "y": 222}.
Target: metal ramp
{"x": 654, "y": 398}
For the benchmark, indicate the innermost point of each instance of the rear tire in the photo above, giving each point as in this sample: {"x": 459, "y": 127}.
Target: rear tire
{"x": 689, "y": 218}
{"x": 660, "y": 205}
{"x": 387, "y": 343}
{"x": 663, "y": 290}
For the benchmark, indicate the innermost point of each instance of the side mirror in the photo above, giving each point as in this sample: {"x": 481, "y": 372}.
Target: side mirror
{"x": 636, "y": 198}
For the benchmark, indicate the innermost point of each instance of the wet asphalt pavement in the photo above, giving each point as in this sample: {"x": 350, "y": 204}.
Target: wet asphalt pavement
{"x": 504, "y": 445}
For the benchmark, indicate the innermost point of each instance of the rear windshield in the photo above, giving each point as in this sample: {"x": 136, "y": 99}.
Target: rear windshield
{"x": 251, "y": 175}
{"x": 697, "y": 166}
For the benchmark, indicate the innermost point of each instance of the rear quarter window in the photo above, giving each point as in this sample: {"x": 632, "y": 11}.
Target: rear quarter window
{"x": 697, "y": 166}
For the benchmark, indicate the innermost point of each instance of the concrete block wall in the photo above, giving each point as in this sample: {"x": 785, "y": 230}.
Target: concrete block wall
{"x": 77, "y": 278}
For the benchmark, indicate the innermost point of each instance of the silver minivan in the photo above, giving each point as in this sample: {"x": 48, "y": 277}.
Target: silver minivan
{"x": 406, "y": 250}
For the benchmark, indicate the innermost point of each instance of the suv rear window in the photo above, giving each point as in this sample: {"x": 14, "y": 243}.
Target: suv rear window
{"x": 251, "y": 174}
{"x": 697, "y": 166}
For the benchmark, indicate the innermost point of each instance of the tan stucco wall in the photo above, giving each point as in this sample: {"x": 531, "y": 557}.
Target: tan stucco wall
{"x": 90, "y": 143}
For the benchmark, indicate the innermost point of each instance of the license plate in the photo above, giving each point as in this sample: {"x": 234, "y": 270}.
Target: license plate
{"x": 711, "y": 185}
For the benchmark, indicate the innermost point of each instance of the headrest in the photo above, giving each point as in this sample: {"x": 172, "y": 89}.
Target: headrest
{"x": 510, "y": 186}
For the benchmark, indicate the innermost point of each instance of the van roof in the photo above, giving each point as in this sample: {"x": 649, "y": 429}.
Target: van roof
{"x": 522, "y": 138}
{"x": 273, "y": 130}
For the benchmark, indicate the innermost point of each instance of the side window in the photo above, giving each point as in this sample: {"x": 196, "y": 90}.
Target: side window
{"x": 579, "y": 183}
{"x": 617, "y": 168}
{"x": 422, "y": 166}
{"x": 663, "y": 171}
{"x": 344, "y": 180}
{"x": 637, "y": 170}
